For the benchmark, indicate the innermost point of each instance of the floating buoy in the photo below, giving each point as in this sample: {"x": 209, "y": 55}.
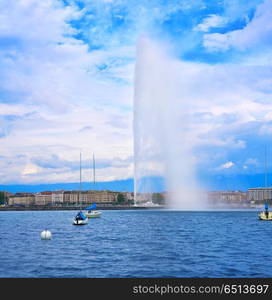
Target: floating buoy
{"x": 46, "y": 235}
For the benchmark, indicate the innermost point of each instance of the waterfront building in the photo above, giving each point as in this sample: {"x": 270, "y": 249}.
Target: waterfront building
{"x": 21, "y": 199}
{"x": 253, "y": 197}
{"x": 258, "y": 196}
{"x": 43, "y": 198}
{"x": 88, "y": 197}
{"x": 102, "y": 196}
{"x": 57, "y": 197}
{"x": 85, "y": 197}
{"x": 227, "y": 198}
{"x": 70, "y": 197}
{"x": 61, "y": 197}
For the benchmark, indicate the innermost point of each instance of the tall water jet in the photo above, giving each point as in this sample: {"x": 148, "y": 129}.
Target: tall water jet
{"x": 162, "y": 138}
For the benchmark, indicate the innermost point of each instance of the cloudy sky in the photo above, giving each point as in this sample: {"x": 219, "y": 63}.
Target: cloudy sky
{"x": 67, "y": 83}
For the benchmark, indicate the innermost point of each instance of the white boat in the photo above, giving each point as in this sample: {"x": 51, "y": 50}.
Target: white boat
{"x": 80, "y": 219}
{"x": 150, "y": 204}
{"x": 93, "y": 214}
{"x": 91, "y": 211}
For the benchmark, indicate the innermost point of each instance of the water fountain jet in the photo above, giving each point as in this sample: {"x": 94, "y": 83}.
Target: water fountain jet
{"x": 162, "y": 140}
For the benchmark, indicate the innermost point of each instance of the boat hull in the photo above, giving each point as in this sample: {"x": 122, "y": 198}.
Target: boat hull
{"x": 93, "y": 214}
{"x": 264, "y": 217}
{"x": 80, "y": 219}
{"x": 80, "y": 222}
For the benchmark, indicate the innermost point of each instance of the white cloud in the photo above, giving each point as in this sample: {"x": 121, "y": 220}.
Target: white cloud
{"x": 227, "y": 165}
{"x": 257, "y": 33}
{"x": 252, "y": 161}
{"x": 30, "y": 169}
{"x": 210, "y": 22}
{"x": 51, "y": 88}
{"x": 220, "y": 108}
{"x": 58, "y": 95}
{"x": 252, "y": 164}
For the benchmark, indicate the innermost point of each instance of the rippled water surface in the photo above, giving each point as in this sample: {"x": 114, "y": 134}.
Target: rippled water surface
{"x": 136, "y": 243}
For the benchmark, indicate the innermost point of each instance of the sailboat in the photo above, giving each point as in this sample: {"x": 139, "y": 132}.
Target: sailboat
{"x": 91, "y": 211}
{"x": 265, "y": 215}
{"x": 80, "y": 218}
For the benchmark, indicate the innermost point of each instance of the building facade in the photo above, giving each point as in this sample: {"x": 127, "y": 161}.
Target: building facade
{"x": 43, "y": 198}
{"x": 227, "y": 198}
{"x": 21, "y": 199}
{"x": 258, "y": 196}
{"x": 57, "y": 198}
{"x": 88, "y": 197}
{"x": 71, "y": 197}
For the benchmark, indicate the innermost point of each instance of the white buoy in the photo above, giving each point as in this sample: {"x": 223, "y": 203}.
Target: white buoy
{"x": 46, "y": 235}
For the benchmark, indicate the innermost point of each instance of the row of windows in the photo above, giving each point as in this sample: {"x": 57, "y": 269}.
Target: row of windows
{"x": 260, "y": 195}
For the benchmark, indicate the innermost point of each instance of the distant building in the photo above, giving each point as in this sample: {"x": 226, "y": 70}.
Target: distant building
{"x": 88, "y": 197}
{"x": 102, "y": 196}
{"x": 43, "y": 198}
{"x": 254, "y": 196}
{"x": 227, "y": 198}
{"x": 70, "y": 197}
{"x": 57, "y": 197}
{"x": 24, "y": 199}
{"x": 258, "y": 196}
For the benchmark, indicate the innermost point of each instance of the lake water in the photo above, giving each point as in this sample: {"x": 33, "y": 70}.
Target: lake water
{"x": 136, "y": 243}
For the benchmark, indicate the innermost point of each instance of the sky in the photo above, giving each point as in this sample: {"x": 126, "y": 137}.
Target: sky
{"x": 67, "y": 85}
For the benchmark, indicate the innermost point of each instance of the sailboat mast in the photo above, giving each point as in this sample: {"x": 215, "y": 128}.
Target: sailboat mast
{"x": 93, "y": 170}
{"x": 80, "y": 178}
{"x": 265, "y": 167}
{"x": 265, "y": 175}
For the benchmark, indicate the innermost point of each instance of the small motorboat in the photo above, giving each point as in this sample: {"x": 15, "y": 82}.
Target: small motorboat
{"x": 91, "y": 211}
{"x": 80, "y": 219}
{"x": 265, "y": 215}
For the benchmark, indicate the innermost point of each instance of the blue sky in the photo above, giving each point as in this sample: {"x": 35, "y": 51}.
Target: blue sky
{"x": 66, "y": 84}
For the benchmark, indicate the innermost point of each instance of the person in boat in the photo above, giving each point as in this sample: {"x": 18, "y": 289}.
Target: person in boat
{"x": 266, "y": 210}
{"x": 79, "y": 216}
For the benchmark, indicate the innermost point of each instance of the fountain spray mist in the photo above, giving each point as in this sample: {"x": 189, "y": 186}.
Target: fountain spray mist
{"x": 162, "y": 139}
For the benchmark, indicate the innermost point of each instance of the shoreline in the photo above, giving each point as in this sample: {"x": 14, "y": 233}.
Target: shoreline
{"x": 49, "y": 208}
{"x": 117, "y": 207}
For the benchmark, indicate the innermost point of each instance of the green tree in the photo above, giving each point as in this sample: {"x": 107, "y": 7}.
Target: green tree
{"x": 121, "y": 198}
{"x": 3, "y": 198}
{"x": 158, "y": 198}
